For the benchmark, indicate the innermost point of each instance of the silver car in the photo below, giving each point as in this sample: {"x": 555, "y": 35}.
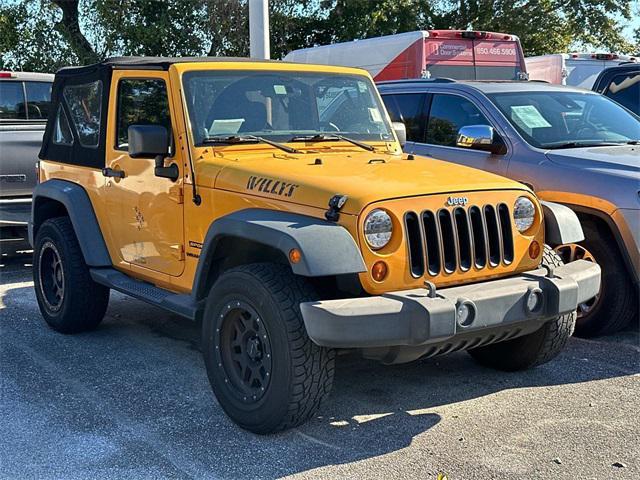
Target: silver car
{"x": 570, "y": 145}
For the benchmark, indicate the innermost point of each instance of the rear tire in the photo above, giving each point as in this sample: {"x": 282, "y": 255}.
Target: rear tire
{"x": 68, "y": 298}
{"x": 265, "y": 371}
{"x": 535, "y": 348}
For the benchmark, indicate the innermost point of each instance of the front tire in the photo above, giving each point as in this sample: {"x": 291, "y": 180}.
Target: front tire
{"x": 265, "y": 371}
{"x": 68, "y": 298}
{"x": 535, "y": 348}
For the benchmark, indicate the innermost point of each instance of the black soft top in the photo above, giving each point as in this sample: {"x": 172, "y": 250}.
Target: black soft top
{"x": 150, "y": 63}
{"x": 76, "y": 153}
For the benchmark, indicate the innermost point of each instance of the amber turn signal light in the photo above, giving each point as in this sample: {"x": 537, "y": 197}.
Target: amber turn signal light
{"x": 294, "y": 255}
{"x": 534, "y": 249}
{"x": 379, "y": 271}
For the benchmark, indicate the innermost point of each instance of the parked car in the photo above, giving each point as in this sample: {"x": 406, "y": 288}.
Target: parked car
{"x": 273, "y": 202}
{"x": 24, "y": 107}
{"x": 460, "y": 54}
{"x": 621, "y": 84}
{"x": 570, "y": 146}
{"x": 573, "y": 69}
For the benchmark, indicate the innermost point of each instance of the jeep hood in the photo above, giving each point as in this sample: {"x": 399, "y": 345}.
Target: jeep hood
{"x": 623, "y": 160}
{"x": 365, "y": 178}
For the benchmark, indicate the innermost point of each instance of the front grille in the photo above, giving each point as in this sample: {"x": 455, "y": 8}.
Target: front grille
{"x": 446, "y": 241}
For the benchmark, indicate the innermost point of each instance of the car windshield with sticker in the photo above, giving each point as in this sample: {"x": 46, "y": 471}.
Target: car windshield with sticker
{"x": 567, "y": 119}
{"x": 283, "y": 106}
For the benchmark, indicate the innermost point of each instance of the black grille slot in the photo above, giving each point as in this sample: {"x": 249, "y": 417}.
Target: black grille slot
{"x": 477, "y": 230}
{"x": 414, "y": 239}
{"x": 433, "y": 243}
{"x": 464, "y": 238}
{"x": 507, "y": 236}
{"x": 492, "y": 234}
{"x": 448, "y": 241}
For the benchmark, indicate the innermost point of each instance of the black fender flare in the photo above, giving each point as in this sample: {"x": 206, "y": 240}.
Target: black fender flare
{"x": 327, "y": 248}
{"x": 561, "y": 224}
{"x": 83, "y": 218}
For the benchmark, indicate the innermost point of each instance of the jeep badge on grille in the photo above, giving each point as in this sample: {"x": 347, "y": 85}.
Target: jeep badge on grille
{"x": 453, "y": 201}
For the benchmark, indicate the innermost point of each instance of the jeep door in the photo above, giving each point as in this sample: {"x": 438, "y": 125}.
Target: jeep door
{"x": 145, "y": 212}
{"x": 433, "y": 131}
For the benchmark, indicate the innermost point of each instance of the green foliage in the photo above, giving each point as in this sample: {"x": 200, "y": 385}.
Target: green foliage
{"x": 34, "y": 34}
{"x": 28, "y": 40}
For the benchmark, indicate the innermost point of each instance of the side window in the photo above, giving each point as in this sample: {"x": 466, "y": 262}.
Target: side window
{"x": 448, "y": 114}
{"x": 61, "y": 131}
{"x": 12, "y": 101}
{"x": 392, "y": 107}
{"x": 409, "y": 109}
{"x": 625, "y": 89}
{"x": 141, "y": 102}
{"x": 85, "y": 105}
{"x": 38, "y": 99}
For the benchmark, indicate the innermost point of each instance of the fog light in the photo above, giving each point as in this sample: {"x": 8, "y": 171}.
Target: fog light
{"x": 534, "y": 250}
{"x": 379, "y": 271}
{"x": 534, "y": 300}
{"x": 465, "y": 312}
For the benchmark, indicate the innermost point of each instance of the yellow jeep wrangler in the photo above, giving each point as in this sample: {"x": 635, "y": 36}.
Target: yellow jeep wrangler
{"x": 272, "y": 202}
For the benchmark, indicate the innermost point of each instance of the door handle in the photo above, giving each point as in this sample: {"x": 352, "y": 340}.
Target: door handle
{"x": 110, "y": 172}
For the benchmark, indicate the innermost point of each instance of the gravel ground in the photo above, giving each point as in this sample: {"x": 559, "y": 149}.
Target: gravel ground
{"x": 131, "y": 400}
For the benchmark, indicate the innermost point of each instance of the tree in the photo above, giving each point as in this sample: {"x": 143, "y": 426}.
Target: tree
{"x": 43, "y": 35}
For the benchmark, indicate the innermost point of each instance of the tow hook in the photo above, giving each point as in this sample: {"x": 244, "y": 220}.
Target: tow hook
{"x": 431, "y": 289}
{"x": 550, "y": 271}
{"x": 335, "y": 204}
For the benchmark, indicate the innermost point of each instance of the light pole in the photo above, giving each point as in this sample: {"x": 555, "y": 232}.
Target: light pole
{"x": 259, "y": 29}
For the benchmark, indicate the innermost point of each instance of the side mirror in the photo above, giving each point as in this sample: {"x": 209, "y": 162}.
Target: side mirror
{"x": 401, "y": 132}
{"x": 147, "y": 141}
{"x": 480, "y": 137}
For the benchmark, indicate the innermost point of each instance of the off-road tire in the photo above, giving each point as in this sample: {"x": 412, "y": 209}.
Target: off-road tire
{"x": 84, "y": 302}
{"x": 301, "y": 371}
{"x": 617, "y": 305}
{"x": 535, "y": 348}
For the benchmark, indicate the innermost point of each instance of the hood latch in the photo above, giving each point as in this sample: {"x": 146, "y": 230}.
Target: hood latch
{"x": 335, "y": 204}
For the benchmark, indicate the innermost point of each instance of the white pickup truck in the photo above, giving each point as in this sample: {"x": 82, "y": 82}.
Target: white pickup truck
{"x": 25, "y": 99}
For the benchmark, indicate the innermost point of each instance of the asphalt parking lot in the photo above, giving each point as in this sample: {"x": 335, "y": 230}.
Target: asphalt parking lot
{"x": 131, "y": 400}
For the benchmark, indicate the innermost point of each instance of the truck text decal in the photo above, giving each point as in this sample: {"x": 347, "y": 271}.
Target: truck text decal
{"x": 271, "y": 185}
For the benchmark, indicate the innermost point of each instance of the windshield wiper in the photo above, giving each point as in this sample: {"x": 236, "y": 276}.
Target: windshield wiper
{"x": 231, "y": 139}
{"x": 578, "y": 144}
{"x": 321, "y": 137}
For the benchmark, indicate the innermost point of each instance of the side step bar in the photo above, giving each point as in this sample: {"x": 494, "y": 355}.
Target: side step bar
{"x": 180, "y": 304}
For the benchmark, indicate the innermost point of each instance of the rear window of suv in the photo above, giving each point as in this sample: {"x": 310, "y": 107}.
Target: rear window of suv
{"x": 25, "y": 100}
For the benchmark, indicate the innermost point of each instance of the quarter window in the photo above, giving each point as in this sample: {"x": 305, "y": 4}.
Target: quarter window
{"x": 12, "y": 101}
{"x": 448, "y": 114}
{"x": 85, "y": 104}
{"x": 141, "y": 102}
{"x": 61, "y": 131}
{"x": 408, "y": 109}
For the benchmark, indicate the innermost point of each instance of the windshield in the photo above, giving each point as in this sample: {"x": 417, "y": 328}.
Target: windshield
{"x": 282, "y": 105}
{"x": 562, "y": 119}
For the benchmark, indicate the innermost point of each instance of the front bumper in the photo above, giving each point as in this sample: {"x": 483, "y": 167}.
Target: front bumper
{"x": 416, "y": 318}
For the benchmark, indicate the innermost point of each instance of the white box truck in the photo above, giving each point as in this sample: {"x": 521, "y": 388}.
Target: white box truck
{"x": 456, "y": 54}
{"x": 575, "y": 69}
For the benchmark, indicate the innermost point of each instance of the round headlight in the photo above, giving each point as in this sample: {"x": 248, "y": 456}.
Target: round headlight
{"x": 524, "y": 214}
{"x": 378, "y": 229}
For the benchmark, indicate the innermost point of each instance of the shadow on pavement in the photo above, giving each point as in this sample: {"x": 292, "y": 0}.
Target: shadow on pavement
{"x": 139, "y": 384}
